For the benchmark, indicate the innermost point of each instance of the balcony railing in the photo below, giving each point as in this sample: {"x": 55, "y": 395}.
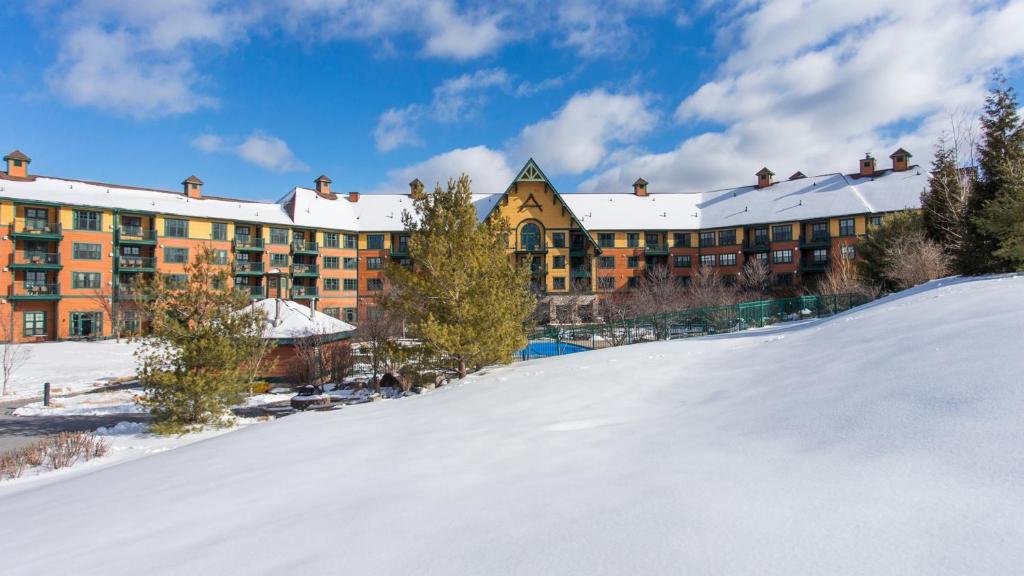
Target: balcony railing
{"x": 248, "y": 243}
{"x": 306, "y": 247}
{"x": 35, "y": 259}
{"x": 656, "y": 249}
{"x": 532, "y": 248}
{"x": 243, "y": 267}
{"x": 35, "y": 227}
{"x": 817, "y": 239}
{"x": 34, "y": 290}
{"x": 303, "y": 292}
{"x": 580, "y": 272}
{"x": 136, "y": 234}
{"x": 252, "y": 291}
{"x": 305, "y": 270}
{"x": 129, "y": 263}
{"x": 756, "y": 245}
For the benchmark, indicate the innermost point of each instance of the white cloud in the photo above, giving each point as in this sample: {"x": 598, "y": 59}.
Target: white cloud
{"x": 398, "y": 127}
{"x": 580, "y": 135}
{"x": 487, "y": 168}
{"x": 261, "y": 149}
{"x": 796, "y": 96}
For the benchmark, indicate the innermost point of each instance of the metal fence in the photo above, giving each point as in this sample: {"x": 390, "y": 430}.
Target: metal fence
{"x": 560, "y": 340}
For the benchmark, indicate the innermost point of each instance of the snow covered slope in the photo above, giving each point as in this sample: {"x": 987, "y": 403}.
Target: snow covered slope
{"x": 888, "y": 440}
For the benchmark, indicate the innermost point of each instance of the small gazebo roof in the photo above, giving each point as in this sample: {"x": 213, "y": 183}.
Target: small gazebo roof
{"x": 288, "y": 320}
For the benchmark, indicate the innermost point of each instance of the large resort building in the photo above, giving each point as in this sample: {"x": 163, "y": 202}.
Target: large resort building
{"x": 74, "y": 250}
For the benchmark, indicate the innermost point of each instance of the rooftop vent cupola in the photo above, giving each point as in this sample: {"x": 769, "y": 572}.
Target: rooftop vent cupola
{"x": 323, "y": 186}
{"x": 416, "y": 189}
{"x": 353, "y": 196}
{"x": 17, "y": 164}
{"x": 900, "y": 160}
{"x": 640, "y": 187}
{"x": 797, "y": 175}
{"x": 193, "y": 187}
{"x": 867, "y": 165}
{"x": 764, "y": 177}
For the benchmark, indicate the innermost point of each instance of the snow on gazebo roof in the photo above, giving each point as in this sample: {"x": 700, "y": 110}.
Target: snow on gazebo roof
{"x": 287, "y": 319}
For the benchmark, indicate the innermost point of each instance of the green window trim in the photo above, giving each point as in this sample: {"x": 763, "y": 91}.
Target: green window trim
{"x": 174, "y": 255}
{"x": 86, "y": 251}
{"x": 86, "y": 280}
{"x": 374, "y": 241}
{"x": 350, "y": 284}
{"x": 332, "y": 263}
{"x": 331, "y": 240}
{"x": 33, "y": 323}
{"x": 219, "y": 231}
{"x": 279, "y": 236}
{"x": 374, "y": 263}
{"x": 331, "y": 284}
{"x": 87, "y": 220}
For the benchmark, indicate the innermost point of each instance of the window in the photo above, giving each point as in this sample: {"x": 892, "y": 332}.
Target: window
{"x": 375, "y": 242}
{"x": 760, "y": 236}
{"x": 849, "y": 252}
{"x": 86, "y": 324}
{"x": 331, "y": 284}
{"x": 847, "y": 227}
{"x": 761, "y": 257}
{"x": 86, "y": 220}
{"x": 131, "y": 322}
{"x": 681, "y": 261}
{"x": 681, "y": 239}
{"x": 333, "y": 312}
{"x": 605, "y": 282}
{"x": 558, "y": 262}
{"x": 558, "y": 282}
{"x": 606, "y": 240}
{"x": 220, "y": 231}
{"x": 820, "y": 256}
{"x": 782, "y": 257}
{"x": 558, "y": 239}
{"x": 34, "y": 324}
{"x": 707, "y": 238}
{"x": 606, "y": 261}
{"x": 819, "y": 231}
{"x": 782, "y": 233}
{"x": 707, "y": 260}
{"x": 331, "y": 240}
{"x": 332, "y": 263}
{"x": 633, "y": 282}
{"x": 726, "y": 259}
{"x": 876, "y": 220}
{"x": 632, "y": 239}
{"x": 633, "y": 262}
{"x": 86, "y": 251}
{"x": 374, "y": 263}
{"x": 220, "y": 257}
{"x": 350, "y": 263}
{"x": 727, "y": 238}
{"x": 176, "y": 255}
{"x": 278, "y": 260}
{"x": 242, "y": 231}
{"x": 37, "y": 219}
{"x": 351, "y": 284}
{"x": 351, "y": 241}
{"x": 33, "y": 277}
{"x": 174, "y": 228}
{"x": 349, "y": 314}
{"x": 176, "y": 280}
{"x": 374, "y": 284}
{"x": 529, "y": 237}
{"x": 652, "y": 240}
{"x": 278, "y": 236}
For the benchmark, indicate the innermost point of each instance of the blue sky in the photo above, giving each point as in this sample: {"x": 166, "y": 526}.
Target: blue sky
{"x": 258, "y": 96}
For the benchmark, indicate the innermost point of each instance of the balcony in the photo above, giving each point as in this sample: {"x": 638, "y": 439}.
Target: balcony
{"x": 128, "y": 292}
{"x": 533, "y": 248}
{"x": 756, "y": 245}
{"x": 35, "y": 260}
{"x": 305, "y": 270}
{"x": 254, "y": 292}
{"x": 814, "y": 265}
{"x": 656, "y": 250}
{"x": 34, "y": 291}
{"x": 400, "y": 251}
{"x": 577, "y": 249}
{"x": 303, "y": 247}
{"x": 243, "y": 268}
{"x": 248, "y": 244}
{"x": 303, "y": 292}
{"x": 579, "y": 272}
{"x": 36, "y": 228}
{"x": 815, "y": 241}
{"x": 136, "y": 235}
{"x": 136, "y": 264}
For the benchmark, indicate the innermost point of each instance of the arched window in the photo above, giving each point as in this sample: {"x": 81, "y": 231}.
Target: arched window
{"x": 529, "y": 237}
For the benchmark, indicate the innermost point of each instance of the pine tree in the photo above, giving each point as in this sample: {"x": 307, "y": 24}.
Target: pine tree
{"x": 203, "y": 345}
{"x": 463, "y": 298}
{"x": 944, "y": 202}
{"x": 1000, "y": 158}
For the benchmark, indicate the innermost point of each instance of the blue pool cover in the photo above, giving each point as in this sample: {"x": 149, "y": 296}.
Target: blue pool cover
{"x": 544, "y": 349}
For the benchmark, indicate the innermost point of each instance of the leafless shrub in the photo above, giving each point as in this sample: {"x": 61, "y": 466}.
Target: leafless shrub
{"x": 915, "y": 260}
{"x": 756, "y": 279}
{"x": 707, "y": 289}
{"x": 55, "y": 452}
{"x": 14, "y": 354}
{"x": 844, "y": 278}
{"x": 339, "y": 362}
{"x": 305, "y": 366}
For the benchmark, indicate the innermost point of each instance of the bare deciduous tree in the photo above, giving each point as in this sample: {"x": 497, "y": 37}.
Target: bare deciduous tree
{"x": 376, "y": 334}
{"x": 14, "y": 354}
{"x": 951, "y": 182}
{"x": 306, "y": 366}
{"x": 105, "y": 300}
{"x": 756, "y": 279}
{"x": 915, "y": 260}
{"x": 708, "y": 289}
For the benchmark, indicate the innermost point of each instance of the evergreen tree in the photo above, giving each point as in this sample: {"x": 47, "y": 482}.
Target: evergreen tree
{"x": 1000, "y": 157}
{"x": 944, "y": 202}
{"x": 877, "y": 245}
{"x": 202, "y": 349}
{"x": 463, "y": 298}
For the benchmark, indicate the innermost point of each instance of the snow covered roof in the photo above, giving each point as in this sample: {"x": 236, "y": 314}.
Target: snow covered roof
{"x": 287, "y": 319}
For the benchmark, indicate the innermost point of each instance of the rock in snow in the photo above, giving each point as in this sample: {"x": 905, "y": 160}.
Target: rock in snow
{"x": 887, "y": 440}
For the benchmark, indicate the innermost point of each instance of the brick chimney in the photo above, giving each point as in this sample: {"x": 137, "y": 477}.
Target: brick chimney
{"x": 764, "y": 177}
{"x": 867, "y": 165}
{"x": 193, "y": 187}
{"x": 17, "y": 164}
{"x": 353, "y": 196}
{"x": 323, "y": 186}
{"x": 900, "y": 160}
{"x": 640, "y": 187}
{"x": 416, "y": 189}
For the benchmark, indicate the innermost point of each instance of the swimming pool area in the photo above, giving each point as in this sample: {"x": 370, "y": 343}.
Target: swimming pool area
{"x": 548, "y": 348}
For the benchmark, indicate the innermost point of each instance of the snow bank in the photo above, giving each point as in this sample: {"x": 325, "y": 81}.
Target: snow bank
{"x": 887, "y": 440}
{"x": 123, "y": 429}
{"x": 71, "y": 367}
{"x": 93, "y": 404}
